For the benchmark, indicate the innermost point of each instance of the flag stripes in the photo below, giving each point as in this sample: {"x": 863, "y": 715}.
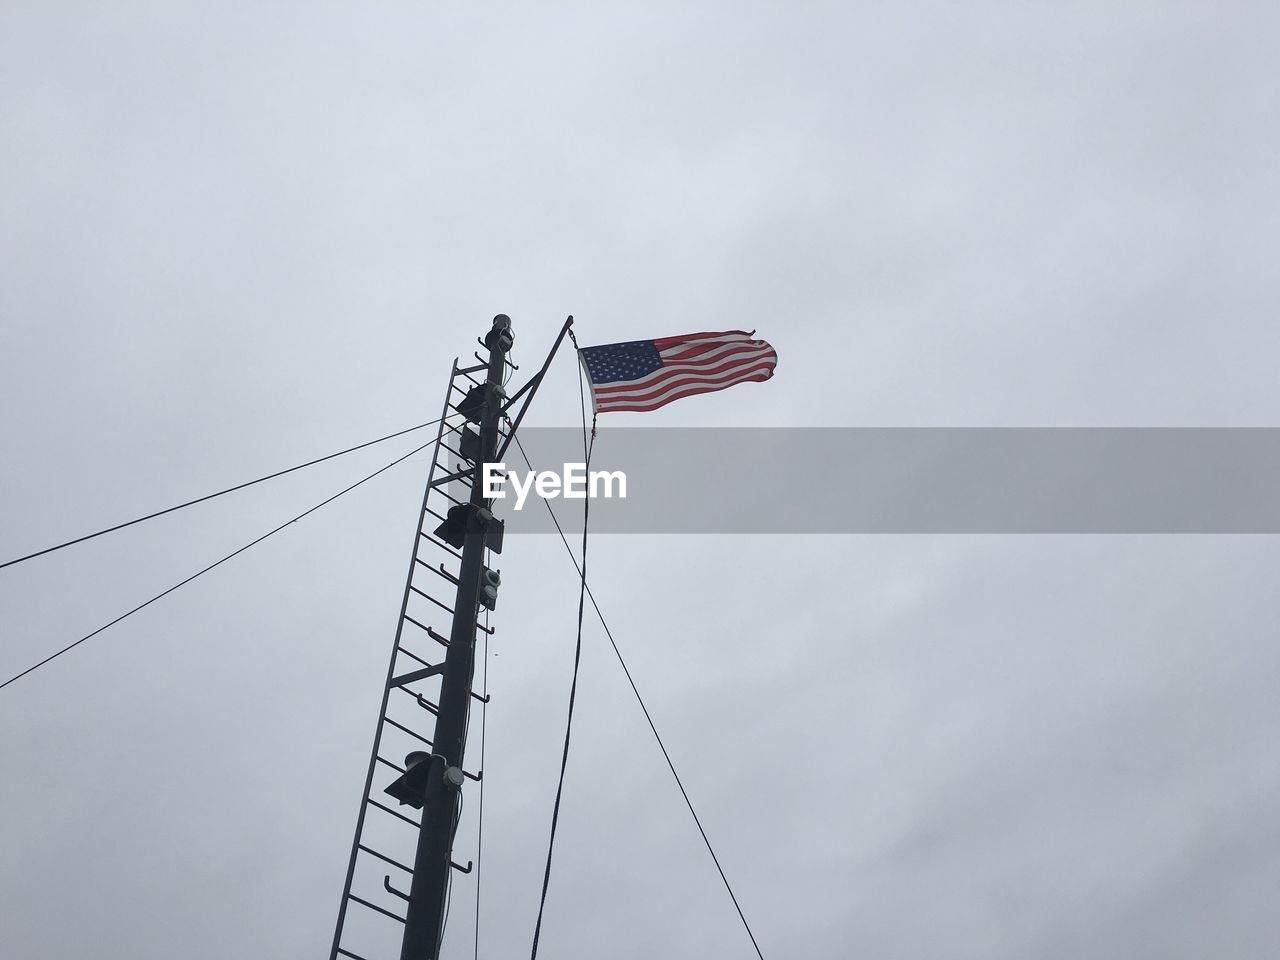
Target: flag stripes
{"x": 644, "y": 375}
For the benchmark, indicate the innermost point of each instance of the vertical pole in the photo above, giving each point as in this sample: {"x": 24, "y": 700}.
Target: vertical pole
{"x": 424, "y": 921}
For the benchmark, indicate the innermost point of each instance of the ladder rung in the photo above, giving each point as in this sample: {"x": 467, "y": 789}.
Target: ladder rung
{"x": 394, "y": 813}
{"x": 383, "y": 856}
{"x": 423, "y": 702}
{"x": 450, "y": 477}
{"x": 394, "y": 766}
{"x": 444, "y": 641}
{"x": 348, "y": 953}
{"x": 440, "y": 543}
{"x": 442, "y": 572}
{"x": 374, "y": 906}
{"x": 412, "y": 656}
{"x": 423, "y": 563}
{"x": 447, "y": 496}
{"x": 434, "y": 636}
{"x": 458, "y": 454}
{"x": 401, "y": 726}
{"x": 423, "y": 593}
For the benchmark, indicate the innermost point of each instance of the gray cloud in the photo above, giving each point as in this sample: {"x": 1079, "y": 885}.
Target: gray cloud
{"x": 233, "y": 240}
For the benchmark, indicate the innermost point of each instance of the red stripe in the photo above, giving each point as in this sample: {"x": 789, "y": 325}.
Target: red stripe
{"x": 709, "y": 367}
{"x": 720, "y": 374}
{"x": 709, "y": 348}
{"x": 665, "y": 343}
{"x": 709, "y": 373}
{"x": 717, "y": 383}
{"x": 689, "y": 391}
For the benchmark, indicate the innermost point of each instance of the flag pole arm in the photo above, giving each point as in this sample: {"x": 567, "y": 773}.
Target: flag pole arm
{"x": 532, "y": 387}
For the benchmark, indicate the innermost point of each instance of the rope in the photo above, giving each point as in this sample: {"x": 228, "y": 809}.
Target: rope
{"x": 582, "y": 402}
{"x": 211, "y": 496}
{"x": 649, "y": 719}
{"x": 484, "y": 715}
{"x": 448, "y": 887}
{"x": 573, "y": 686}
{"x": 217, "y": 563}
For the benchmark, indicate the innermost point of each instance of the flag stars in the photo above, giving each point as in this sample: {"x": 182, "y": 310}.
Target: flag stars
{"x": 616, "y": 362}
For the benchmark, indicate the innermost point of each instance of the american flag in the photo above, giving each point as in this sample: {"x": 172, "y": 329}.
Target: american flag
{"x": 643, "y": 375}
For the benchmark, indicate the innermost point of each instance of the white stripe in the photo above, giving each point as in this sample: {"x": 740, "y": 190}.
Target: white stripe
{"x": 734, "y": 344}
{"x": 723, "y": 367}
{"x": 682, "y": 380}
{"x": 678, "y": 392}
{"x": 702, "y": 363}
{"x": 609, "y": 402}
{"x": 693, "y": 340}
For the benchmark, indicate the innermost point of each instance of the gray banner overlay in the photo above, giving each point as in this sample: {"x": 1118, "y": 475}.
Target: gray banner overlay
{"x": 900, "y": 480}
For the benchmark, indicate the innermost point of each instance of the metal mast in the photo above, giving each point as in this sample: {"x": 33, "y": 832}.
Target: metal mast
{"x": 431, "y": 779}
{"x": 443, "y": 777}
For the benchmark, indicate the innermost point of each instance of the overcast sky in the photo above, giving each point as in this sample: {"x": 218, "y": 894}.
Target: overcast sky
{"x": 232, "y": 240}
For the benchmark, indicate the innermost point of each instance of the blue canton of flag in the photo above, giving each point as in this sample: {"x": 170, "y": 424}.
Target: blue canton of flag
{"x": 621, "y": 361}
